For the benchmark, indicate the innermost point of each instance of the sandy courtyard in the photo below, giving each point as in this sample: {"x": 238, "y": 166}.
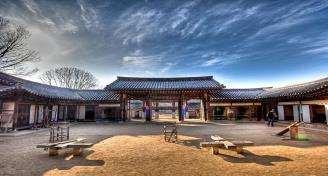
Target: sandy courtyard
{"x": 139, "y": 149}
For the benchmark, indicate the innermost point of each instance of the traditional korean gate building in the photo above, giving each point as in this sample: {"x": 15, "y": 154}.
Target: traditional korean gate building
{"x": 179, "y": 90}
{"x": 26, "y": 104}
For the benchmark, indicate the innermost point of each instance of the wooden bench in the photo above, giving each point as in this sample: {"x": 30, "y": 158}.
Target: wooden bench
{"x": 221, "y": 143}
{"x": 77, "y": 145}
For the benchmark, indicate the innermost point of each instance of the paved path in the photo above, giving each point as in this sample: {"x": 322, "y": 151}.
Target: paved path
{"x": 19, "y": 156}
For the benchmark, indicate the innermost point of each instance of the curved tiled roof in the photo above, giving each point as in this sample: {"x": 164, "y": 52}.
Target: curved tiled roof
{"x": 237, "y": 94}
{"x": 6, "y": 88}
{"x": 97, "y": 95}
{"x": 53, "y": 92}
{"x": 10, "y": 83}
{"x": 298, "y": 90}
{"x": 179, "y": 83}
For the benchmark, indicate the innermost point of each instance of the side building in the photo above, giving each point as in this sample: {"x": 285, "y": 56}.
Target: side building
{"x": 26, "y": 104}
{"x": 307, "y": 102}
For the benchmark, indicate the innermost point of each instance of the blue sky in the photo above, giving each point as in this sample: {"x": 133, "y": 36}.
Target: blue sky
{"x": 241, "y": 43}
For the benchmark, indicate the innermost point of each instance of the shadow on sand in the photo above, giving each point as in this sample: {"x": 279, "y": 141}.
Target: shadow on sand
{"x": 194, "y": 143}
{"x": 246, "y": 157}
{"x": 249, "y": 157}
{"x": 65, "y": 161}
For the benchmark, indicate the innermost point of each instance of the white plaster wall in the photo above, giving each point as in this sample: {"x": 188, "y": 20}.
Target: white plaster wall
{"x": 81, "y": 112}
{"x": 281, "y": 113}
{"x": 40, "y": 118}
{"x": 306, "y": 113}
{"x": 8, "y": 114}
{"x": 202, "y": 110}
{"x": 32, "y": 114}
{"x": 54, "y": 113}
{"x": 296, "y": 113}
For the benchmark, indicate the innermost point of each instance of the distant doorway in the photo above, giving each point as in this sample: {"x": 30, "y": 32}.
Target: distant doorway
{"x": 218, "y": 112}
{"x": 288, "y": 112}
{"x": 318, "y": 114}
{"x": 90, "y": 113}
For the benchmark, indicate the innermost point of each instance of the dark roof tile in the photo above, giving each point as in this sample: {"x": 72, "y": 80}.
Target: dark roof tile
{"x": 13, "y": 83}
{"x": 180, "y": 83}
{"x": 237, "y": 94}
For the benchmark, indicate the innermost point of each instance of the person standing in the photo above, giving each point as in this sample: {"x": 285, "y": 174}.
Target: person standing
{"x": 271, "y": 116}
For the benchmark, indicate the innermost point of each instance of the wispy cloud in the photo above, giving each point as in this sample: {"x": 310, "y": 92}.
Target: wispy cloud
{"x": 172, "y": 37}
{"x": 211, "y": 62}
{"x": 88, "y": 15}
{"x": 218, "y": 59}
{"x": 319, "y": 50}
{"x": 167, "y": 67}
{"x": 135, "y": 26}
{"x": 137, "y": 58}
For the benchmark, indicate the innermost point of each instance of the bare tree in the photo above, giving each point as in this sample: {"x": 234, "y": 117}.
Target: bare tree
{"x": 69, "y": 77}
{"x": 14, "y": 53}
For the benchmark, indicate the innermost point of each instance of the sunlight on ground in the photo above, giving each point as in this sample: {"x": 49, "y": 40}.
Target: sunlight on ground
{"x": 150, "y": 155}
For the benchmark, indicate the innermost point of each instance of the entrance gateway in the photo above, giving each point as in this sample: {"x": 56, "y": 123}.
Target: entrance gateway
{"x": 154, "y": 90}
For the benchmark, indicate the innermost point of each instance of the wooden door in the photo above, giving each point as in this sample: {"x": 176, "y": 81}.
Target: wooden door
{"x": 23, "y": 115}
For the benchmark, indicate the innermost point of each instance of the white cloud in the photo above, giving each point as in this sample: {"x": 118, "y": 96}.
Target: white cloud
{"x": 218, "y": 58}
{"x": 211, "y": 62}
{"x": 70, "y": 27}
{"x": 31, "y": 6}
{"x": 181, "y": 14}
{"x": 276, "y": 28}
{"x": 134, "y": 26}
{"x": 137, "y": 58}
{"x": 88, "y": 15}
{"x": 319, "y": 50}
{"x": 167, "y": 67}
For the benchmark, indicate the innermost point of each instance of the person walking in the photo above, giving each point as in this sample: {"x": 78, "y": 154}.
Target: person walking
{"x": 271, "y": 116}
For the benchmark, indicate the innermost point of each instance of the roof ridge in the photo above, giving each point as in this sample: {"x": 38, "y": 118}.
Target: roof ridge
{"x": 303, "y": 83}
{"x": 164, "y": 78}
{"x": 256, "y": 88}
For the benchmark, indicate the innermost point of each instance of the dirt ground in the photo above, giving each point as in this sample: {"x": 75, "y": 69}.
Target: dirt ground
{"x": 137, "y": 148}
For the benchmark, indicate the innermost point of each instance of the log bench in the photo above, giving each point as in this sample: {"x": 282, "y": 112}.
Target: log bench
{"x": 221, "y": 143}
{"x": 77, "y": 146}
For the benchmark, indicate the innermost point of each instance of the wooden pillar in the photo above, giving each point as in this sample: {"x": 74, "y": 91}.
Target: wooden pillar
{"x": 173, "y": 110}
{"x": 144, "y": 109}
{"x": 180, "y": 109}
{"x": 156, "y": 110}
{"x": 128, "y": 113}
{"x": 65, "y": 114}
{"x": 46, "y": 116}
{"x": 148, "y": 110}
{"x": 123, "y": 107}
{"x": 15, "y": 116}
{"x": 185, "y": 105}
{"x": 206, "y": 110}
{"x": 206, "y": 107}
{"x": 201, "y": 113}
{"x": 210, "y": 110}
{"x": 252, "y": 112}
